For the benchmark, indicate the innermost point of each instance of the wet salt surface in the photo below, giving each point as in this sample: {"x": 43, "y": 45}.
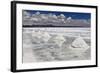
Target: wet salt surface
{"x": 37, "y": 50}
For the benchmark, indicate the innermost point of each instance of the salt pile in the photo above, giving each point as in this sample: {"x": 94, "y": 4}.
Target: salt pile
{"x": 36, "y": 36}
{"x": 45, "y": 36}
{"x": 40, "y": 36}
{"x": 79, "y": 46}
{"x": 59, "y": 40}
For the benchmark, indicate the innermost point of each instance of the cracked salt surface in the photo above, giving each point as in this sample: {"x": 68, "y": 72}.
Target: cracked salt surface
{"x": 41, "y": 46}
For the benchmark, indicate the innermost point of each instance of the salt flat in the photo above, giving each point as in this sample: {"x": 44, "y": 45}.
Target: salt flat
{"x": 35, "y": 49}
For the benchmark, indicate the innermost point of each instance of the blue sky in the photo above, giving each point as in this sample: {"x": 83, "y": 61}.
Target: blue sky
{"x": 74, "y": 15}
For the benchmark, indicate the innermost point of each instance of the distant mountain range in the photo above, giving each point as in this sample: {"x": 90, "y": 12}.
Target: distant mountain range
{"x": 38, "y": 19}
